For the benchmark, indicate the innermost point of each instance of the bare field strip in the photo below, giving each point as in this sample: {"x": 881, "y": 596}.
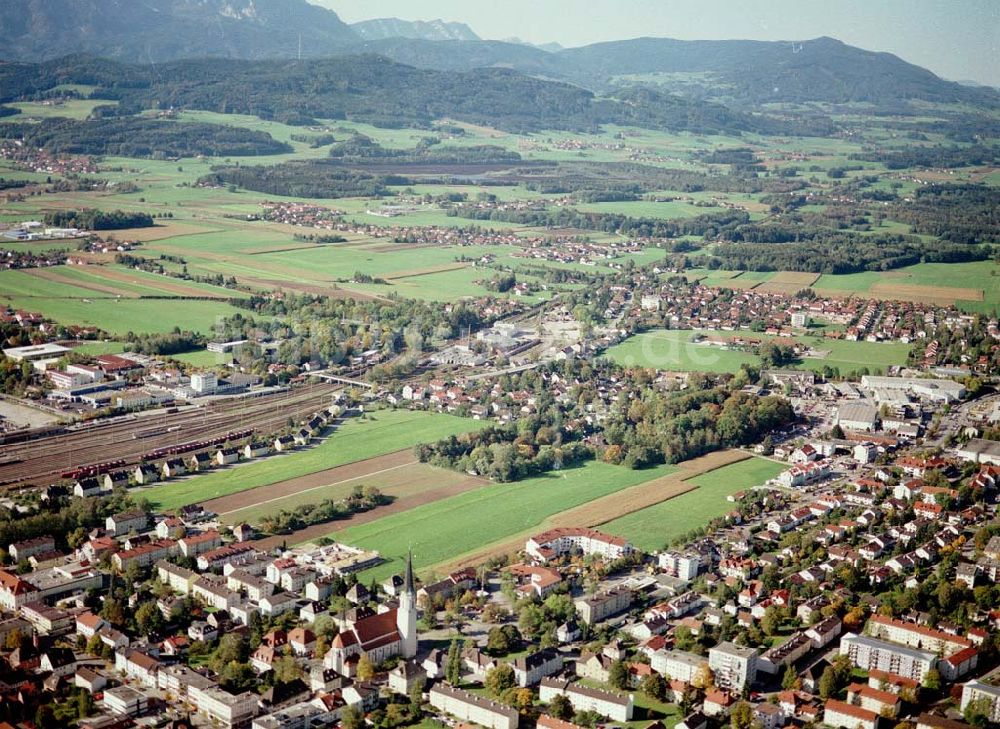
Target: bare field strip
{"x": 801, "y": 278}
{"x": 736, "y": 283}
{"x": 55, "y": 277}
{"x": 167, "y": 285}
{"x": 262, "y": 494}
{"x": 775, "y": 287}
{"x": 160, "y": 231}
{"x": 922, "y": 293}
{"x": 414, "y": 272}
{"x": 611, "y": 507}
{"x": 401, "y": 504}
{"x": 390, "y": 247}
{"x": 277, "y": 248}
{"x": 402, "y": 480}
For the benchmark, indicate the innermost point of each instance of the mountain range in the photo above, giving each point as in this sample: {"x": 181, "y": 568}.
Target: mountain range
{"x": 734, "y": 71}
{"x": 429, "y": 30}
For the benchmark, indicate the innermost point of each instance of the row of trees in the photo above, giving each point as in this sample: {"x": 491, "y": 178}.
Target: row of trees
{"x": 314, "y": 178}
{"x": 702, "y": 225}
{"x": 504, "y": 453}
{"x": 363, "y": 498}
{"x": 91, "y": 219}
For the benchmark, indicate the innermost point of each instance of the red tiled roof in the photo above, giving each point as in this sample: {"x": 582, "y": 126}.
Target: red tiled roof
{"x": 857, "y": 712}
{"x": 553, "y": 534}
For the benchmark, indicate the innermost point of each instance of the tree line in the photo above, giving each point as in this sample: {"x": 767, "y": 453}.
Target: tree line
{"x": 138, "y": 137}
{"x": 91, "y": 219}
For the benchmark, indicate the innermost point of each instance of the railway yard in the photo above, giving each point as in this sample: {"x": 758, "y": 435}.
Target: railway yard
{"x": 40, "y": 461}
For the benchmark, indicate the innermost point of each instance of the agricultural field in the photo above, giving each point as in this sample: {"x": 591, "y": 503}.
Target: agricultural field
{"x": 69, "y": 108}
{"x": 651, "y": 528}
{"x": 375, "y": 434}
{"x": 675, "y": 350}
{"x": 398, "y": 475}
{"x": 971, "y": 286}
{"x": 446, "y": 529}
{"x": 71, "y": 301}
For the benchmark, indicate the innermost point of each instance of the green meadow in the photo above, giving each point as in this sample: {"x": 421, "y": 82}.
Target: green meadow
{"x": 447, "y": 529}
{"x": 375, "y": 434}
{"x": 675, "y": 350}
{"x": 651, "y": 528}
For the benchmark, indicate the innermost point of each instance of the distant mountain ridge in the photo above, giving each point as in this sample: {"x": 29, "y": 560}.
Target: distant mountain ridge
{"x": 739, "y": 72}
{"x": 161, "y": 30}
{"x": 429, "y": 30}
{"x": 753, "y": 72}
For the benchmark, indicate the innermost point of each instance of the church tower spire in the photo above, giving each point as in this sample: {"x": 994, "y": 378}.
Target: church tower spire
{"x": 406, "y": 614}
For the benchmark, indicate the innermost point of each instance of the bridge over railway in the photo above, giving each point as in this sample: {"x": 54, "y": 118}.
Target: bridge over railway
{"x": 330, "y": 377}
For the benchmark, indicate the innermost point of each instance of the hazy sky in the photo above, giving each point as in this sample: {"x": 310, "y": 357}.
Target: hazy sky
{"x": 957, "y": 39}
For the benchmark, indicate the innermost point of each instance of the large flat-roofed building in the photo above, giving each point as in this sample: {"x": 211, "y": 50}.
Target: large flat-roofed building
{"x": 979, "y": 450}
{"x": 229, "y": 710}
{"x": 470, "y": 707}
{"x": 928, "y": 389}
{"x": 125, "y": 701}
{"x": 873, "y": 654}
{"x": 679, "y": 665}
{"x": 35, "y": 352}
{"x": 858, "y": 415}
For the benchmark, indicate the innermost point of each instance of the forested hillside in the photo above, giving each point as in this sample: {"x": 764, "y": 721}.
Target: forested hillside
{"x": 374, "y": 90}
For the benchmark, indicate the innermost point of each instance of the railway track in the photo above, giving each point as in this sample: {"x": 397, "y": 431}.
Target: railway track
{"x": 41, "y": 461}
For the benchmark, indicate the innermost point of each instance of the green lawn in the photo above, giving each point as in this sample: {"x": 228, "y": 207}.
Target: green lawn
{"x": 202, "y": 358}
{"x": 96, "y": 348}
{"x": 446, "y": 529}
{"x": 674, "y": 350}
{"x": 651, "y": 528}
{"x": 381, "y": 432}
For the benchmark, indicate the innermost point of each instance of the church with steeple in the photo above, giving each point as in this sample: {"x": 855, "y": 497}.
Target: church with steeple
{"x": 392, "y": 632}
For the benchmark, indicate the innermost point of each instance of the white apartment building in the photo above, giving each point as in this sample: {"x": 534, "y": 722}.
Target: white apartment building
{"x": 976, "y": 690}
{"x": 734, "y": 667}
{"x": 472, "y": 708}
{"x": 680, "y": 565}
{"x": 874, "y": 654}
{"x": 617, "y": 707}
{"x": 679, "y": 665}
{"x": 225, "y": 708}
{"x": 556, "y": 542}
